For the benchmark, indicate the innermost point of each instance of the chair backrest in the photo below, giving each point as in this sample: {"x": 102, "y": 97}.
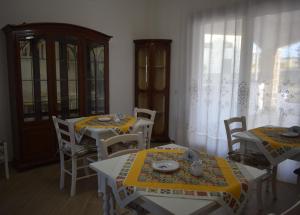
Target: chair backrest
{"x": 65, "y": 133}
{"x": 144, "y": 113}
{"x": 293, "y": 209}
{"x": 241, "y": 121}
{"x": 128, "y": 139}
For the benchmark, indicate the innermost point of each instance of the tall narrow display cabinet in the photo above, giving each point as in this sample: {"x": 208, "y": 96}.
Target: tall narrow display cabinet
{"x": 54, "y": 69}
{"x": 152, "y": 82}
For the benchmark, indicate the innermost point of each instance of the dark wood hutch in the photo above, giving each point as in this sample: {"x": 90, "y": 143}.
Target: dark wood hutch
{"x": 54, "y": 69}
{"x": 152, "y": 82}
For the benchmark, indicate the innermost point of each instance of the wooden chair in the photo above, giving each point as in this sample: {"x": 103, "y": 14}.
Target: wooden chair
{"x": 68, "y": 146}
{"x": 133, "y": 143}
{"x": 294, "y": 209}
{"x": 4, "y": 157}
{"x": 251, "y": 158}
{"x": 145, "y": 115}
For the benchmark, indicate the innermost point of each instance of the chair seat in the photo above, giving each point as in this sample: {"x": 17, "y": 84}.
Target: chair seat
{"x": 254, "y": 159}
{"x": 87, "y": 145}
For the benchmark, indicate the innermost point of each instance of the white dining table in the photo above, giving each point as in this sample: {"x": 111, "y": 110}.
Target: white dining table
{"x": 253, "y": 143}
{"x": 108, "y": 170}
{"x": 102, "y": 133}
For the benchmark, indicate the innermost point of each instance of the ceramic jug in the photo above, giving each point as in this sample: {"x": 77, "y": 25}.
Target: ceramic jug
{"x": 196, "y": 168}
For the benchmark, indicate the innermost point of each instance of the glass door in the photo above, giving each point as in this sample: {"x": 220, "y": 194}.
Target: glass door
{"x": 33, "y": 62}
{"x": 143, "y": 77}
{"x": 95, "y": 81}
{"x": 66, "y": 61}
{"x": 158, "y": 93}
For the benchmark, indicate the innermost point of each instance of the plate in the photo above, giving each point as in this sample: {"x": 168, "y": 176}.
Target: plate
{"x": 104, "y": 119}
{"x": 290, "y": 134}
{"x": 165, "y": 165}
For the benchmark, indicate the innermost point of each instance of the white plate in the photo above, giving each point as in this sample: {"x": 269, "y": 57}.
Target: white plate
{"x": 104, "y": 119}
{"x": 290, "y": 134}
{"x": 165, "y": 165}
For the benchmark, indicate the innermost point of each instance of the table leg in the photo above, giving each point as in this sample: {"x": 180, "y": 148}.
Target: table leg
{"x": 99, "y": 184}
{"x": 111, "y": 201}
{"x": 259, "y": 195}
{"x": 99, "y": 158}
{"x": 105, "y": 196}
{"x": 274, "y": 187}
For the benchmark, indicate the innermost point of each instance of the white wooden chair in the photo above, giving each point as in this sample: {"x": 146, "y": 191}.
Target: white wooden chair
{"x": 294, "y": 209}
{"x": 4, "y": 157}
{"x": 255, "y": 159}
{"x": 133, "y": 143}
{"x": 146, "y": 121}
{"x": 69, "y": 147}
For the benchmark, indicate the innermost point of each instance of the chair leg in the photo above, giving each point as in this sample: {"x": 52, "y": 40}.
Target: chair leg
{"x": 274, "y": 187}
{"x": 6, "y": 160}
{"x": 74, "y": 176}
{"x": 259, "y": 195}
{"x": 269, "y": 181}
{"x": 62, "y": 171}
{"x": 86, "y": 170}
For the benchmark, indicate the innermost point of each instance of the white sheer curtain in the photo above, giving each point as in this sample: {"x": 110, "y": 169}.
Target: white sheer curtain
{"x": 243, "y": 60}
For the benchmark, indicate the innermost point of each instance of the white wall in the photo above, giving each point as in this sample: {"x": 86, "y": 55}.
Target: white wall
{"x": 124, "y": 20}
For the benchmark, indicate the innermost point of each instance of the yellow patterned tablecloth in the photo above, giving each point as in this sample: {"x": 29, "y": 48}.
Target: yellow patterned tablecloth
{"x": 222, "y": 180}
{"x": 276, "y": 145}
{"x": 123, "y": 126}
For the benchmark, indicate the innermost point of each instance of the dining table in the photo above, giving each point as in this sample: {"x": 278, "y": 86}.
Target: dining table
{"x": 131, "y": 179}
{"x": 103, "y": 126}
{"x": 274, "y": 143}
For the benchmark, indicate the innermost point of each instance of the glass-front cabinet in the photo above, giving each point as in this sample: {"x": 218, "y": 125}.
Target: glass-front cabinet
{"x": 54, "y": 69}
{"x": 152, "y": 81}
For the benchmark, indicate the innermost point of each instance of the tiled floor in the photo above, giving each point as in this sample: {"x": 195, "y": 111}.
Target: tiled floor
{"x": 35, "y": 192}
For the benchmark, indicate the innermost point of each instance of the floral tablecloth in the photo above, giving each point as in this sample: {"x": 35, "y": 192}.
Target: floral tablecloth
{"x": 275, "y": 146}
{"x": 122, "y": 126}
{"x": 222, "y": 180}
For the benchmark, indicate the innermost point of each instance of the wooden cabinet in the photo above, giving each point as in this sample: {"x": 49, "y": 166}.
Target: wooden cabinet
{"x": 54, "y": 69}
{"x": 152, "y": 82}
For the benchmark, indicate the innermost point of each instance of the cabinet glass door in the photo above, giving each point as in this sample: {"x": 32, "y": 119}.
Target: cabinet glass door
{"x": 34, "y": 79}
{"x": 66, "y": 54}
{"x": 158, "y": 69}
{"x": 143, "y": 77}
{"x": 95, "y": 83}
{"x": 143, "y": 68}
